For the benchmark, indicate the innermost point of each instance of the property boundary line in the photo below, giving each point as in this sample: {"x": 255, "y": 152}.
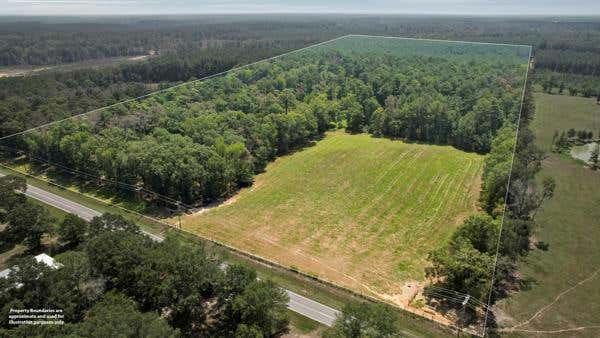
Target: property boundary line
{"x": 495, "y": 265}
{"x": 259, "y": 258}
{"x": 439, "y": 40}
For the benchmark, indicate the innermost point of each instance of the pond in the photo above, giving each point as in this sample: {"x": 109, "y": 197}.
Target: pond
{"x": 583, "y": 152}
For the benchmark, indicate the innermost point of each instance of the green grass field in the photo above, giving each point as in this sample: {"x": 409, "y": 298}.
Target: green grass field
{"x": 355, "y": 210}
{"x": 564, "y": 290}
{"x": 561, "y": 112}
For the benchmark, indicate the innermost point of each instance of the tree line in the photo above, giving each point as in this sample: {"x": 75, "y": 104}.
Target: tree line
{"x": 482, "y": 254}
{"x": 49, "y": 41}
{"x": 201, "y": 142}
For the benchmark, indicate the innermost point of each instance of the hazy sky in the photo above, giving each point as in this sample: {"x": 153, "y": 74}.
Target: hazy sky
{"x": 123, "y": 7}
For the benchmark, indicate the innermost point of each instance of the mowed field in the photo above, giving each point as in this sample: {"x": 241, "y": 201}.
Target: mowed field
{"x": 359, "y": 211}
{"x": 563, "y": 297}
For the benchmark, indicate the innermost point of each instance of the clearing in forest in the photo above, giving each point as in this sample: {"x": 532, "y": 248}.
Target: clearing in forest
{"x": 359, "y": 211}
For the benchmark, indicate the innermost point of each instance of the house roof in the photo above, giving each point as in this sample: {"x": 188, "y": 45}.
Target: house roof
{"x": 41, "y": 258}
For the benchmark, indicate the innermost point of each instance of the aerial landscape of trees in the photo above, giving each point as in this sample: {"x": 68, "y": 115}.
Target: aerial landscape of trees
{"x": 201, "y": 142}
{"x": 196, "y": 47}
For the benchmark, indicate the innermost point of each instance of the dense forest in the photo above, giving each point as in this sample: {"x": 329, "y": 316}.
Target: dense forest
{"x": 200, "y": 142}
{"x": 565, "y": 51}
{"x": 565, "y": 45}
{"x": 31, "y": 101}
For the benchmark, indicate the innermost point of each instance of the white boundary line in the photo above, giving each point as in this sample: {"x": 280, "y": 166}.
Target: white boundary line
{"x": 512, "y": 162}
{"x": 273, "y": 58}
{"x": 439, "y": 40}
{"x": 252, "y": 64}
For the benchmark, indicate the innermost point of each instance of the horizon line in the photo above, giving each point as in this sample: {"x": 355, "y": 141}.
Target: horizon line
{"x": 332, "y": 13}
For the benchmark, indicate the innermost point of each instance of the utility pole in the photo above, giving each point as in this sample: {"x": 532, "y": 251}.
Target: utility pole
{"x": 464, "y": 304}
{"x": 179, "y": 214}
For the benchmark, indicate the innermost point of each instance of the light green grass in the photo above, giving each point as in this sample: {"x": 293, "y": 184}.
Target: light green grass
{"x": 301, "y": 325}
{"x": 570, "y": 224}
{"x": 57, "y": 214}
{"x": 359, "y": 211}
{"x": 561, "y": 112}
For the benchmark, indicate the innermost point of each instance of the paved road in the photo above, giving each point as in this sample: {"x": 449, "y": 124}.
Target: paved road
{"x": 311, "y": 309}
{"x": 299, "y": 304}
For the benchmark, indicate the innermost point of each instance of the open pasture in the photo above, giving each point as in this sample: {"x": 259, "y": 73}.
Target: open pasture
{"x": 561, "y": 296}
{"x": 359, "y": 211}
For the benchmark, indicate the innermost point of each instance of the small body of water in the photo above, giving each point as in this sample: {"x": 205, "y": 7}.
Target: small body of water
{"x": 583, "y": 152}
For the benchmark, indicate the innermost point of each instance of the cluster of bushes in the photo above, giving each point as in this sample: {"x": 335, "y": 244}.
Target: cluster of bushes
{"x": 25, "y": 222}
{"x": 201, "y": 142}
{"x": 563, "y": 141}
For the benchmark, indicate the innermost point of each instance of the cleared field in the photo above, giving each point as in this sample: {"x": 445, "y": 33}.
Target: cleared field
{"x": 359, "y": 211}
{"x": 563, "y": 296}
{"x": 561, "y": 112}
{"x": 88, "y": 64}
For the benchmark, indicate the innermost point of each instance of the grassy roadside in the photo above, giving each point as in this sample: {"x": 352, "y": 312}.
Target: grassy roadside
{"x": 57, "y": 214}
{"x": 302, "y": 326}
{"x": 412, "y": 325}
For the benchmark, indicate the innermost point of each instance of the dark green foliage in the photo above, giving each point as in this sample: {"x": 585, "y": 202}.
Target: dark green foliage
{"x": 72, "y": 229}
{"x": 111, "y": 223}
{"x": 370, "y": 320}
{"x": 28, "y": 222}
{"x": 496, "y": 173}
{"x": 260, "y": 307}
{"x": 481, "y": 231}
{"x": 117, "y": 316}
{"x": 183, "y": 280}
{"x": 563, "y": 141}
{"x": 465, "y": 264}
{"x": 184, "y": 284}
{"x": 251, "y": 307}
{"x": 9, "y": 185}
{"x": 35, "y": 283}
{"x": 25, "y": 221}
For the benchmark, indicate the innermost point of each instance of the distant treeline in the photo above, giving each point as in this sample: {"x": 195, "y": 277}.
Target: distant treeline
{"x": 569, "y": 46}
